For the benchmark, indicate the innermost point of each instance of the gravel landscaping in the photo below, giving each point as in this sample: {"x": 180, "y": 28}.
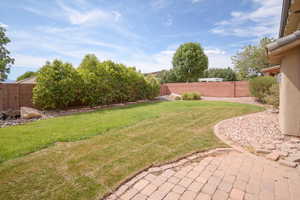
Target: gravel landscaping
{"x": 260, "y": 133}
{"x": 56, "y": 113}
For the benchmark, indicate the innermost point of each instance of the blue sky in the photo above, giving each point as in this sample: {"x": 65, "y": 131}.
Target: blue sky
{"x": 140, "y": 33}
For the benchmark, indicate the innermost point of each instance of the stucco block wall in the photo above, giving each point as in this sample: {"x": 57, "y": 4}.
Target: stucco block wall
{"x": 242, "y": 89}
{"x": 289, "y": 114}
{"x": 13, "y": 95}
{"x": 209, "y": 89}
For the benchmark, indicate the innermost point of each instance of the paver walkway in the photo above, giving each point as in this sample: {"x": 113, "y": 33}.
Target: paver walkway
{"x": 232, "y": 175}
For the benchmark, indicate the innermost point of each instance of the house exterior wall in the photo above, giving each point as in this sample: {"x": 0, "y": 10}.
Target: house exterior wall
{"x": 290, "y": 93}
{"x": 209, "y": 89}
{"x": 14, "y": 95}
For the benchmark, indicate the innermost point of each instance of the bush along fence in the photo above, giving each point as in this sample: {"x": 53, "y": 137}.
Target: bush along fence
{"x": 59, "y": 85}
{"x": 266, "y": 90}
{"x": 14, "y": 95}
{"x": 93, "y": 83}
{"x": 209, "y": 89}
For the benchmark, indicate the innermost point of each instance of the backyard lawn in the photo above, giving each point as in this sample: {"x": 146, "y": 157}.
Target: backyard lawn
{"x": 84, "y": 156}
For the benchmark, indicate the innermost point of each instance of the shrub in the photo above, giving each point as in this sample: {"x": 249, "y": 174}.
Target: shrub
{"x": 57, "y": 86}
{"x": 108, "y": 82}
{"x": 127, "y": 83}
{"x": 226, "y": 73}
{"x": 177, "y": 98}
{"x": 153, "y": 87}
{"x": 28, "y": 74}
{"x": 191, "y": 96}
{"x": 273, "y": 97}
{"x": 89, "y": 62}
{"x": 96, "y": 87}
{"x": 260, "y": 87}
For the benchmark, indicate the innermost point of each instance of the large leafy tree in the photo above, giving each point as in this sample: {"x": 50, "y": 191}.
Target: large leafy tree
{"x": 189, "y": 62}
{"x": 249, "y": 62}
{"x": 5, "y": 59}
{"x": 28, "y": 74}
{"x": 89, "y": 62}
{"x": 226, "y": 73}
{"x": 168, "y": 76}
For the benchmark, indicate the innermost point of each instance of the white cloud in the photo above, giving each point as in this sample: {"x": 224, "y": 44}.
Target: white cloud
{"x": 71, "y": 43}
{"x": 196, "y": 1}
{"x": 158, "y": 4}
{"x": 151, "y": 62}
{"x": 57, "y": 43}
{"x": 169, "y": 21}
{"x": 163, "y": 60}
{"x": 28, "y": 60}
{"x": 117, "y": 15}
{"x": 147, "y": 62}
{"x": 263, "y": 21}
{"x": 76, "y": 36}
{"x": 90, "y": 17}
{"x": 49, "y": 12}
{"x": 84, "y": 15}
{"x": 214, "y": 51}
{"x": 77, "y": 12}
{"x": 81, "y": 2}
{"x": 218, "y": 58}
{"x": 73, "y": 50}
{"x": 3, "y": 25}
{"x": 236, "y": 14}
{"x": 143, "y": 61}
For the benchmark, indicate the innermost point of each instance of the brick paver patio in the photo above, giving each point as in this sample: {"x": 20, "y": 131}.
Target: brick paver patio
{"x": 229, "y": 175}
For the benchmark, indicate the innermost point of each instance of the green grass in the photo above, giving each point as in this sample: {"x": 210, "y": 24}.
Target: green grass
{"x": 117, "y": 142}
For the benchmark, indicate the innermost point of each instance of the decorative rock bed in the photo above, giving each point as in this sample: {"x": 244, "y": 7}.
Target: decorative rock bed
{"x": 57, "y": 113}
{"x": 260, "y": 134}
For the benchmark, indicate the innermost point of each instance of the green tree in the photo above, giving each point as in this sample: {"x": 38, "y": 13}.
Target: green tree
{"x": 58, "y": 86}
{"x": 5, "y": 59}
{"x": 153, "y": 88}
{"x": 189, "y": 62}
{"x": 249, "y": 62}
{"x": 89, "y": 62}
{"x": 96, "y": 85}
{"x": 260, "y": 87}
{"x": 168, "y": 76}
{"x": 108, "y": 82}
{"x": 273, "y": 97}
{"x": 28, "y": 74}
{"x": 226, "y": 73}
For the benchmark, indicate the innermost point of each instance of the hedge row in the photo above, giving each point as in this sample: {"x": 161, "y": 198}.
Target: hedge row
{"x": 191, "y": 96}
{"x": 60, "y": 85}
{"x": 265, "y": 89}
